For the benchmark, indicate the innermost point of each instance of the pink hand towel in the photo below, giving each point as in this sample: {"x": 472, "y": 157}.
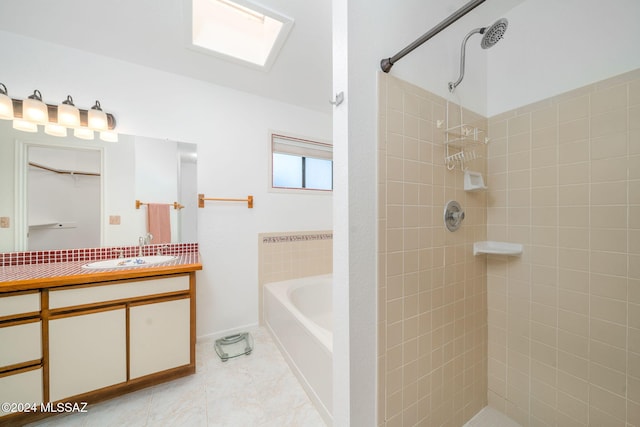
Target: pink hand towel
{"x": 159, "y": 222}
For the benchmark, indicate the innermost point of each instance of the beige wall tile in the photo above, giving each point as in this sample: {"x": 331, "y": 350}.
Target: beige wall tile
{"x": 611, "y": 98}
{"x": 609, "y": 263}
{"x": 563, "y": 319}
{"x": 573, "y": 322}
{"x": 574, "y": 130}
{"x": 574, "y": 152}
{"x": 608, "y": 379}
{"x": 605, "y": 170}
{"x": 608, "y": 286}
{"x": 573, "y": 108}
{"x": 544, "y": 118}
{"x": 609, "y": 309}
{"x": 519, "y": 124}
{"x": 575, "y": 173}
{"x": 609, "y": 146}
{"x": 608, "y": 123}
{"x": 609, "y": 193}
{"x": 609, "y": 333}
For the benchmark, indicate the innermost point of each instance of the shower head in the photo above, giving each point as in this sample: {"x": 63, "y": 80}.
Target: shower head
{"x": 491, "y": 36}
{"x": 494, "y": 33}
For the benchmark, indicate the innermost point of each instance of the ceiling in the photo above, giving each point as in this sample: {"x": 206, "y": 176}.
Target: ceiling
{"x": 154, "y": 33}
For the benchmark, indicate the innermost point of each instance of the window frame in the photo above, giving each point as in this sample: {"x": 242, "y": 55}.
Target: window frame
{"x": 322, "y": 145}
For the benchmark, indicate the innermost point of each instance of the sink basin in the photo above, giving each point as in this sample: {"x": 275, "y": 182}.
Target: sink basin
{"x": 143, "y": 261}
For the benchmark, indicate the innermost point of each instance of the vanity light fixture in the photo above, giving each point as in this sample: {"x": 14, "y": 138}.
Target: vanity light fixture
{"x": 27, "y": 114}
{"x": 6, "y": 104}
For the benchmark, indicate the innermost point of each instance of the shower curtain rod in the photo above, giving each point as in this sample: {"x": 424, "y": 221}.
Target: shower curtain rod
{"x": 387, "y": 63}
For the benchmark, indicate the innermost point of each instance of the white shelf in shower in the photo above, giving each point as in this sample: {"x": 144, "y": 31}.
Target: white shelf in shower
{"x": 497, "y": 248}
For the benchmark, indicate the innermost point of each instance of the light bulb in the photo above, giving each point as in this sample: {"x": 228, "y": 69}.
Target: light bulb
{"x": 68, "y": 114}
{"x": 55, "y": 130}
{"x": 109, "y": 136}
{"x": 83, "y": 133}
{"x": 25, "y": 125}
{"x": 96, "y": 118}
{"x": 34, "y": 110}
{"x": 6, "y": 104}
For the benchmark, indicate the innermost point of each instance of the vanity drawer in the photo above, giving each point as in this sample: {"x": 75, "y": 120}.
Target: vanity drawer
{"x": 24, "y": 388}
{"x": 117, "y": 291}
{"x": 20, "y": 343}
{"x": 20, "y": 303}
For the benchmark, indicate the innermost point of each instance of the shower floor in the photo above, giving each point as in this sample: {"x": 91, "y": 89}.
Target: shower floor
{"x": 489, "y": 417}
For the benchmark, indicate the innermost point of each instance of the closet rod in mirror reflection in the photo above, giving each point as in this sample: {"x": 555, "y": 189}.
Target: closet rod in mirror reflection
{"x": 175, "y": 205}
{"x": 62, "y": 171}
{"x": 201, "y": 200}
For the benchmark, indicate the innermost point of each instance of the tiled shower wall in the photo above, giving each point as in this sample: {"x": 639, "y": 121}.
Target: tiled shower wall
{"x": 432, "y": 355}
{"x": 564, "y": 319}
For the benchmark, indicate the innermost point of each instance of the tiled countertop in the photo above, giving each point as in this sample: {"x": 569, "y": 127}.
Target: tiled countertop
{"x": 37, "y": 276}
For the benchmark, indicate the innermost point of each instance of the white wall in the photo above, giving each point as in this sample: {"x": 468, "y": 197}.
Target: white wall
{"x": 555, "y": 46}
{"x": 231, "y": 129}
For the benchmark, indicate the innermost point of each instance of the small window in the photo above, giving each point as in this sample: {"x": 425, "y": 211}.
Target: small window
{"x": 301, "y": 164}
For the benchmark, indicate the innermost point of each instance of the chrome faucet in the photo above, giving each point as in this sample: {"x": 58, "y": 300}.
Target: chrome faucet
{"x": 144, "y": 240}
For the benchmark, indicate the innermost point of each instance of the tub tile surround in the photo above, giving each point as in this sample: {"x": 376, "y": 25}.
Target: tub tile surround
{"x": 290, "y": 255}
{"x": 564, "y": 329}
{"x": 432, "y": 329}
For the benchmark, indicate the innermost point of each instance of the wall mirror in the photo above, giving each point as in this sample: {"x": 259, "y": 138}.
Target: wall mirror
{"x": 61, "y": 193}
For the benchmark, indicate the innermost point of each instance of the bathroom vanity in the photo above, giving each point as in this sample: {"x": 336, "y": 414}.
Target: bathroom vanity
{"x": 77, "y": 336}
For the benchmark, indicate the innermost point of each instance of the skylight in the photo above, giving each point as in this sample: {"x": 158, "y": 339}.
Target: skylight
{"x": 238, "y": 30}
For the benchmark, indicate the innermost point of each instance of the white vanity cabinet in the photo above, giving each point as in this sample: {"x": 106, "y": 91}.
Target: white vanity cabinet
{"x": 87, "y": 351}
{"x": 21, "y": 370}
{"x": 110, "y": 333}
{"x": 76, "y": 340}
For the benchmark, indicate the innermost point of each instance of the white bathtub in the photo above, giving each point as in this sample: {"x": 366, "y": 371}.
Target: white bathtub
{"x": 299, "y": 315}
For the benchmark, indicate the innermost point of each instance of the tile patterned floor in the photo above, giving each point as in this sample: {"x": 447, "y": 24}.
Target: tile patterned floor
{"x": 489, "y": 417}
{"x": 254, "y": 390}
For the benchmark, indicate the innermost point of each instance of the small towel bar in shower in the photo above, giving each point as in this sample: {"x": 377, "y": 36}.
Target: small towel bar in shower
{"x": 201, "y": 200}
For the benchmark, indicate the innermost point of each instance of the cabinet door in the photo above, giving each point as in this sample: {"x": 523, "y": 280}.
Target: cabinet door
{"x": 24, "y": 387}
{"x": 159, "y": 336}
{"x": 87, "y": 352}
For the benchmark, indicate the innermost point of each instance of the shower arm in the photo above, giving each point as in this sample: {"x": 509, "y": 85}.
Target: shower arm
{"x": 453, "y": 85}
{"x": 387, "y": 63}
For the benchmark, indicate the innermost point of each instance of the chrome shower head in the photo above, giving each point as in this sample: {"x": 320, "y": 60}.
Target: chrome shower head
{"x": 494, "y": 33}
{"x": 491, "y": 36}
